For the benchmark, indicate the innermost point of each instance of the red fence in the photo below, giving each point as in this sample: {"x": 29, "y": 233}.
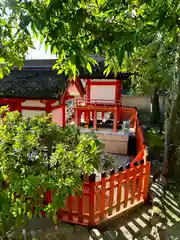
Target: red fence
{"x": 114, "y": 194}
{"x": 110, "y": 196}
{"x": 128, "y": 114}
{"x": 97, "y": 102}
{"x": 140, "y": 146}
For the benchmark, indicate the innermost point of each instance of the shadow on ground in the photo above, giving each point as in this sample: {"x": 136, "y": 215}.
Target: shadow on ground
{"x": 137, "y": 224}
{"x": 130, "y": 226}
{"x": 133, "y": 225}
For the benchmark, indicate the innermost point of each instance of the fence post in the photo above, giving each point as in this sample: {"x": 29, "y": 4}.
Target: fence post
{"x": 126, "y": 190}
{"x": 80, "y": 202}
{"x": 95, "y": 120}
{"x": 146, "y": 180}
{"x": 134, "y": 182}
{"x": 112, "y": 173}
{"x": 140, "y": 185}
{"x": 103, "y": 196}
{"x": 92, "y": 196}
{"x": 119, "y": 190}
{"x": 70, "y": 208}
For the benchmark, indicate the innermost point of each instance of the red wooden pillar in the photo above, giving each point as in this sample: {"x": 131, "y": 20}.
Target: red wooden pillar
{"x": 92, "y": 197}
{"x": 115, "y": 120}
{"x": 16, "y": 106}
{"x": 92, "y": 114}
{"x": 102, "y": 116}
{"x": 118, "y": 92}
{"x": 76, "y": 116}
{"x": 120, "y": 116}
{"x": 87, "y": 116}
{"x": 10, "y": 107}
{"x": 95, "y": 120}
{"x": 88, "y": 90}
{"x": 63, "y": 116}
{"x": 48, "y": 108}
{"x": 19, "y": 108}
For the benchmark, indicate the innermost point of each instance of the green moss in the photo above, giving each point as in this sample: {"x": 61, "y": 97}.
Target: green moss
{"x": 155, "y": 141}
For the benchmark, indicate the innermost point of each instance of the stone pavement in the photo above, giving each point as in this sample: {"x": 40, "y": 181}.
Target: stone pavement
{"x": 136, "y": 224}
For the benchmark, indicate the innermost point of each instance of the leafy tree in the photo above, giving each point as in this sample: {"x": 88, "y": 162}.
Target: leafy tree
{"x": 37, "y": 156}
{"x": 153, "y": 66}
{"x": 74, "y": 30}
{"x": 14, "y": 41}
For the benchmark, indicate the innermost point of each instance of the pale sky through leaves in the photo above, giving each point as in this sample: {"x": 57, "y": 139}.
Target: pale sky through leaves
{"x": 39, "y": 52}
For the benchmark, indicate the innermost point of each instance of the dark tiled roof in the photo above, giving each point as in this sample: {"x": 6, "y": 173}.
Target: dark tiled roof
{"x": 38, "y": 80}
{"x": 98, "y": 72}
{"x": 39, "y": 63}
{"x": 41, "y": 84}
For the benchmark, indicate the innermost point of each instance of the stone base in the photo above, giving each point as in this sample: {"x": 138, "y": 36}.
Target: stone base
{"x": 114, "y": 143}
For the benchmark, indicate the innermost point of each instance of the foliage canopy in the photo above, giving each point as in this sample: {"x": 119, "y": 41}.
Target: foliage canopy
{"x": 75, "y": 30}
{"x": 37, "y": 156}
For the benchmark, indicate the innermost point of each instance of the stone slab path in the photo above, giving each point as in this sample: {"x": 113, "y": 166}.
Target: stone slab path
{"x": 132, "y": 225}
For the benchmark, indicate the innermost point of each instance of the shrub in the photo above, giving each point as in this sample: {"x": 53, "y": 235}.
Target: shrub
{"x": 36, "y": 156}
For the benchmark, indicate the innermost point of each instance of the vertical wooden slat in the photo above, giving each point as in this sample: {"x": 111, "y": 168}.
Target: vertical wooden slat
{"x": 95, "y": 120}
{"x": 119, "y": 190}
{"x": 126, "y": 190}
{"x": 92, "y": 199}
{"x": 140, "y": 179}
{"x": 85, "y": 116}
{"x": 146, "y": 180}
{"x": 88, "y": 90}
{"x": 103, "y": 196}
{"x": 80, "y": 204}
{"x": 102, "y": 115}
{"x": 63, "y": 116}
{"x": 92, "y": 115}
{"x": 70, "y": 208}
{"x": 111, "y": 197}
{"x": 134, "y": 183}
{"x": 48, "y": 197}
{"x": 80, "y": 209}
{"x": 60, "y": 214}
{"x": 115, "y": 120}
{"x": 76, "y": 113}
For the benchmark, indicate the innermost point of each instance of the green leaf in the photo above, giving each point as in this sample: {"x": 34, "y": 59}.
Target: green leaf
{"x": 47, "y": 2}
{"x": 29, "y": 214}
{"x": 107, "y": 71}
{"x": 89, "y": 68}
{"x": 2, "y": 60}
{"x": 54, "y": 50}
{"x": 1, "y": 73}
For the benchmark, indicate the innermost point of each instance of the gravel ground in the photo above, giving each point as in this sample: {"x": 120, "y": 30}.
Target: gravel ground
{"x": 119, "y": 161}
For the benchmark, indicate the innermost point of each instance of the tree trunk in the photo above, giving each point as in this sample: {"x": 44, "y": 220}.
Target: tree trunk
{"x": 155, "y": 107}
{"x": 172, "y": 127}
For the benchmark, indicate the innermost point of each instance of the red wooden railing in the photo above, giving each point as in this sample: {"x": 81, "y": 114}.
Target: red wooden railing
{"x": 97, "y": 102}
{"x": 140, "y": 146}
{"x": 108, "y": 197}
{"x": 128, "y": 114}
{"x": 113, "y": 194}
{"x": 125, "y": 113}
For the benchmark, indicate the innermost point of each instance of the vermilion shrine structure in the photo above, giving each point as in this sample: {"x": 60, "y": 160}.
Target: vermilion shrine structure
{"x": 36, "y": 90}
{"x": 95, "y": 105}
